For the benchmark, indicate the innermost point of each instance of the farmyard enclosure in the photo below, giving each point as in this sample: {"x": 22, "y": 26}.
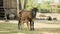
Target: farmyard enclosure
{"x": 9, "y": 19}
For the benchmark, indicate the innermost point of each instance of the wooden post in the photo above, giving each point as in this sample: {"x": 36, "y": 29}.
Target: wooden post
{"x": 5, "y": 9}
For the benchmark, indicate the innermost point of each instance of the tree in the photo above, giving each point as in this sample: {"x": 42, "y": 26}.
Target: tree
{"x": 23, "y": 4}
{"x": 20, "y": 7}
{"x": 25, "y": 1}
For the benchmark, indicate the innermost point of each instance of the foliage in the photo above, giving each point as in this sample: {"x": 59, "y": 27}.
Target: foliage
{"x": 30, "y": 5}
{"x": 44, "y": 11}
{"x": 58, "y": 6}
{"x": 43, "y": 5}
{"x": 58, "y": 9}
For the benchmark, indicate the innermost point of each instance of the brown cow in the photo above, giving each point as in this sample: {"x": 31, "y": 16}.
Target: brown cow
{"x": 26, "y": 16}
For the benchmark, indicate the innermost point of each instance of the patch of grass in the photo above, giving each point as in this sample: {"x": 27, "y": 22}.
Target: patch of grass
{"x": 9, "y": 28}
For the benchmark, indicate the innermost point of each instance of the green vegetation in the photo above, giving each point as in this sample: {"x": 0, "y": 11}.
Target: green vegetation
{"x": 10, "y": 28}
{"x": 58, "y": 8}
{"x": 45, "y": 5}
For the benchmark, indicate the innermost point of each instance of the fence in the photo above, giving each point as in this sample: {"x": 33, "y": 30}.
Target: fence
{"x": 10, "y": 7}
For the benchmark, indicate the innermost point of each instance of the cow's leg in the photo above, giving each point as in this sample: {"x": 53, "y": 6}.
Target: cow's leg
{"x": 19, "y": 24}
{"x": 27, "y": 24}
{"x": 31, "y": 24}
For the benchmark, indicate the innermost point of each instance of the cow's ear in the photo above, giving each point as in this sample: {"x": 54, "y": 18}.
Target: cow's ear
{"x": 19, "y": 12}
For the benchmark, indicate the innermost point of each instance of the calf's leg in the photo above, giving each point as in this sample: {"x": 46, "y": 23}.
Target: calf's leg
{"x": 19, "y": 24}
{"x": 31, "y": 24}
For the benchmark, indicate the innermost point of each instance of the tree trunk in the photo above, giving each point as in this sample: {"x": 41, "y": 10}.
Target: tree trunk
{"x": 20, "y": 7}
{"x": 24, "y": 4}
{"x": 25, "y": 1}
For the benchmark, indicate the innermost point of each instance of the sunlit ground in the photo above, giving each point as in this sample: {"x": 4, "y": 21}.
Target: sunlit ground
{"x": 11, "y": 28}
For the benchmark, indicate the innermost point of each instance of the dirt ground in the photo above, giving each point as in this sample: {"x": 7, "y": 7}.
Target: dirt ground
{"x": 41, "y": 27}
